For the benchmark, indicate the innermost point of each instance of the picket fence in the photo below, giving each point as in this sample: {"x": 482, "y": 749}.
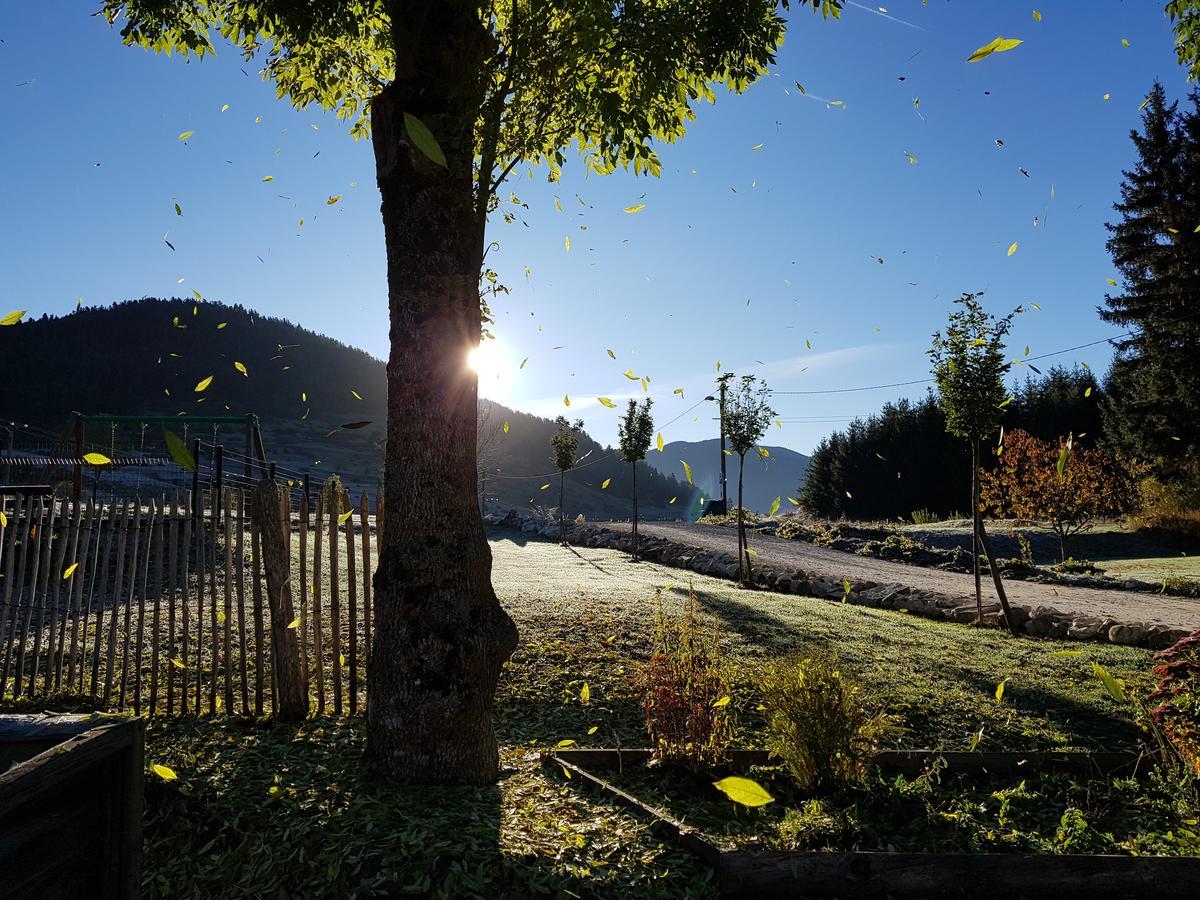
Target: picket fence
{"x": 159, "y": 607}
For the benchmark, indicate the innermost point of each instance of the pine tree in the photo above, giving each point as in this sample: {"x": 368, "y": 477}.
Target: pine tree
{"x": 1153, "y": 407}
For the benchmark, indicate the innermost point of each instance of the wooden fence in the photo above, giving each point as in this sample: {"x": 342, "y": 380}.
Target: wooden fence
{"x": 167, "y": 607}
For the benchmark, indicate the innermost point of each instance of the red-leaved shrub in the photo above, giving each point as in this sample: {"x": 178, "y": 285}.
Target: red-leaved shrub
{"x": 1177, "y": 713}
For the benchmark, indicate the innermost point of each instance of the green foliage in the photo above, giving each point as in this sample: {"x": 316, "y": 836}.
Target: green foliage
{"x": 1185, "y": 18}
{"x": 635, "y": 431}
{"x": 564, "y": 443}
{"x": 546, "y": 75}
{"x": 969, "y": 368}
{"x": 818, "y": 723}
{"x": 1072, "y": 566}
{"x": 747, "y": 415}
{"x": 925, "y": 517}
{"x": 684, "y": 688}
{"x": 332, "y": 491}
{"x": 731, "y": 517}
{"x": 1153, "y": 408}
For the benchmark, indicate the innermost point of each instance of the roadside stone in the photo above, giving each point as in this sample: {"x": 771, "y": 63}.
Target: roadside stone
{"x": 1130, "y": 634}
{"x": 1085, "y": 628}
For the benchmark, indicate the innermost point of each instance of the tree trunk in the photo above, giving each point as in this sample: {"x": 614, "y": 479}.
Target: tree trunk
{"x": 999, "y": 582}
{"x": 562, "y": 527}
{"x": 975, "y": 526}
{"x": 743, "y": 544}
{"x": 440, "y": 633}
{"x": 635, "y": 534}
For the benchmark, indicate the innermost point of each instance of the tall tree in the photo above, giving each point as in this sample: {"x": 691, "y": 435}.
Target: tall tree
{"x": 565, "y": 445}
{"x": 635, "y": 430}
{"x": 1153, "y": 407}
{"x": 747, "y": 415}
{"x": 969, "y": 368}
{"x": 456, "y": 94}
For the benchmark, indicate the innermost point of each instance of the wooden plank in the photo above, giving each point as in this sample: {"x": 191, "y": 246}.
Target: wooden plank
{"x": 276, "y": 547}
{"x": 352, "y": 604}
{"x": 260, "y": 648}
{"x": 99, "y": 577}
{"x": 368, "y": 575}
{"x": 87, "y": 562}
{"x": 227, "y": 634}
{"x": 118, "y": 589}
{"x": 172, "y": 649}
{"x": 240, "y": 582}
{"x": 38, "y": 567}
{"x": 18, "y": 524}
{"x": 304, "y": 613}
{"x": 156, "y": 622}
{"x": 137, "y": 578}
{"x": 62, "y": 598}
{"x": 214, "y": 643}
{"x": 51, "y": 562}
{"x": 318, "y": 637}
{"x": 185, "y": 602}
{"x": 335, "y": 601}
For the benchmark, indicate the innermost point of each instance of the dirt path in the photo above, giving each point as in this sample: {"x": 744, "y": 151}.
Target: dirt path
{"x": 1180, "y": 612}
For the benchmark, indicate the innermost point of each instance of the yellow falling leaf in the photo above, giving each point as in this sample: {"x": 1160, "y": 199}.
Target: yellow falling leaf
{"x": 295, "y": 623}
{"x": 611, "y": 354}
{"x": 13, "y": 317}
{"x": 604, "y": 485}
{"x": 96, "y": 459}
{"x": 268, "y": 178}
{"x": 660, "y": 442}
{"x": 585, "y": 693}
{"x": 567, "y": 243}
{"x": 743, "y": 791}
{"x": 241, "y": 367}
{"x": 166, "y": 773}
{"x": 566, "y": 400}
{"x": 70, "y": 570}
{"x": 202, "y": 384}
{"x": 345, "y": 516}
{"x": 506, "y": 426}
{"x": 356, "y": 394}
{"x": 545, "y": 487}
{"x": 221, "y": 617}
{"x": 185, "y": 135}
{"x": 1012, "y": 249}
{"x": 672, "y": 500}
{"x": 334, "y": 199}
{"x": 224, "y": 106}
{"x": 687, "y": 470}
{"x": 996, "y": 45}
{"x": 632, "y": 209}
{"x": 605, "y": 401}
{"x": 1037, "y": 16}
{"x": 1000, "y": 689}
{"x": 178, "y": 663}
{"x": 723, "y": 702}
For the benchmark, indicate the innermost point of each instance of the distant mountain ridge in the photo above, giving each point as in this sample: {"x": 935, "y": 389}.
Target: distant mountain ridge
{"x": 148, "y": 356}
{"x": 778, "y": 475}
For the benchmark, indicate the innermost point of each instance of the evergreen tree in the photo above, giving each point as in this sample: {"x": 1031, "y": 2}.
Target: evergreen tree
{"x": 634, "y": 431}
{"x": 1153, "y": 408}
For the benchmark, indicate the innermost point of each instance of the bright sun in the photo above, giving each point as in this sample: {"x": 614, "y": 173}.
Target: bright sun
{"x": 491, "y": 362}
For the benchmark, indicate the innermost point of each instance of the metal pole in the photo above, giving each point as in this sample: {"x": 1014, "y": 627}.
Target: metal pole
{"x": 220, "y": 479}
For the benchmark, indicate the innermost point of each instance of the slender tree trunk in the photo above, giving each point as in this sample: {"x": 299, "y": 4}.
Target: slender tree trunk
{"x": 999, "y": 582}
{"x": 440, "y": 633}
{"x": 562, "y": 527}
{"x": 635, "y": 521}
{"x": 743, "y": 544}
{"x": 975, "y": 526}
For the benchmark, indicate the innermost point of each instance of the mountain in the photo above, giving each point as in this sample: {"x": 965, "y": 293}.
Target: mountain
{"x": 148, "y": 357}
{"x": 778, "y": 475}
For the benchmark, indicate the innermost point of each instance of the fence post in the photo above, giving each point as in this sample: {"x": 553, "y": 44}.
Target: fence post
{"x": 277, "y": 557}
{"x": 219, "y": 465}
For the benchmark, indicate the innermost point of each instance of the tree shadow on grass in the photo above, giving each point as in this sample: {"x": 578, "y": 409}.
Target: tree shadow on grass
{"x": 275, "y": 811}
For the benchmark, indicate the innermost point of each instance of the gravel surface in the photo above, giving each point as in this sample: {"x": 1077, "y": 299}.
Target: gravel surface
{"x": 1127, "y": 606}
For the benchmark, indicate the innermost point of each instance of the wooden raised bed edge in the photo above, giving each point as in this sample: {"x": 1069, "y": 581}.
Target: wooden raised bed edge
{"x": 755, "y": 873}
{"x": 77, "y": 742}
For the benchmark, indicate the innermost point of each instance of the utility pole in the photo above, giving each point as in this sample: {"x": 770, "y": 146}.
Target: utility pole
{"x": 722, "y": 382}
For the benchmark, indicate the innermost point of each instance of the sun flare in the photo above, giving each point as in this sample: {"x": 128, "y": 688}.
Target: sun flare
{"x": 493, "y": 365}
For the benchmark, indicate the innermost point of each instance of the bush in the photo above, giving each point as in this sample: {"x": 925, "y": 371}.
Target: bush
{"x": 1185, "y": 587}
{"x": 1072, "y": 566}
{"x": 818, "y": 724}
{"x": 684, "y": 689}
{"x": 1177, "y": 714}
{"x": 1168, "y": 507}
{"x": 748, "y": 515}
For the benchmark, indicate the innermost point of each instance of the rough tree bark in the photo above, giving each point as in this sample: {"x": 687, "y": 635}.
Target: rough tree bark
{"x": 441, "y": 635}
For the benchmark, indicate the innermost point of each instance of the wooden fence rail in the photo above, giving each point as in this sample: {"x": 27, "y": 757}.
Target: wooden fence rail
{"x": 144, "y": 605}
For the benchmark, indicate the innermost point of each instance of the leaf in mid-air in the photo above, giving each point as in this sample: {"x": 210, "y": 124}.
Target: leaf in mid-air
{"x": 660, "y": 442}
{"x": 1114, "y": 686}
{"x": 687, "y": 470}
{"x": 1012, "y": 249}
{"x": 202, "y": 384}
{"x": 241, "y": 367}
{"x": 166, "y": 773}
{"x": 13, "y": 317}
{"x": 185, "y": 135}
{"x": 334, "y": 199}
{"x": 179, "y": 451}
{"x": 633, "y": 209}
{"x": 997, "y": 45}
{"x": 423, "y": 139}
{"x": 605, "y": 401}
{"x": 70, "y": 570}
{"x": 96, "y": 459}
{"x": 1000, "y": 689}
{"x": 774, "y": 507}
{"x": 604, "y": 485}
{"x": 744, "y": 791}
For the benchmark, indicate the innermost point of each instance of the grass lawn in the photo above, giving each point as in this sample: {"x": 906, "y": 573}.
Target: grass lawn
{"x": 266, "y": 811}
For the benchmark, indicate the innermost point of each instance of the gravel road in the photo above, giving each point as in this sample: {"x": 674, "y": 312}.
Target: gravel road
{"x": 1128, "y": 606}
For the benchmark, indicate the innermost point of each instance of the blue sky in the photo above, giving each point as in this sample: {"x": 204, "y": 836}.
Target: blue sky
{"x": 742, "y": 261}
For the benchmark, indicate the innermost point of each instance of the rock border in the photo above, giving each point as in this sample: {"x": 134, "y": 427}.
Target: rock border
{"x": 1038, "y": 621}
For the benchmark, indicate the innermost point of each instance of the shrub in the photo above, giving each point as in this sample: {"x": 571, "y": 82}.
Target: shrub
{"x": 818, "y": 723}
{"x": 925, "y": 517}
{"x": 1177, "y": 714}
{"x": 1185, "y": 587}
{"x": 1072, "y": 566}
{"x": 1169, "y": 507}
{"x": 684, "y": 689}
{"x": 731, "y": 518}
